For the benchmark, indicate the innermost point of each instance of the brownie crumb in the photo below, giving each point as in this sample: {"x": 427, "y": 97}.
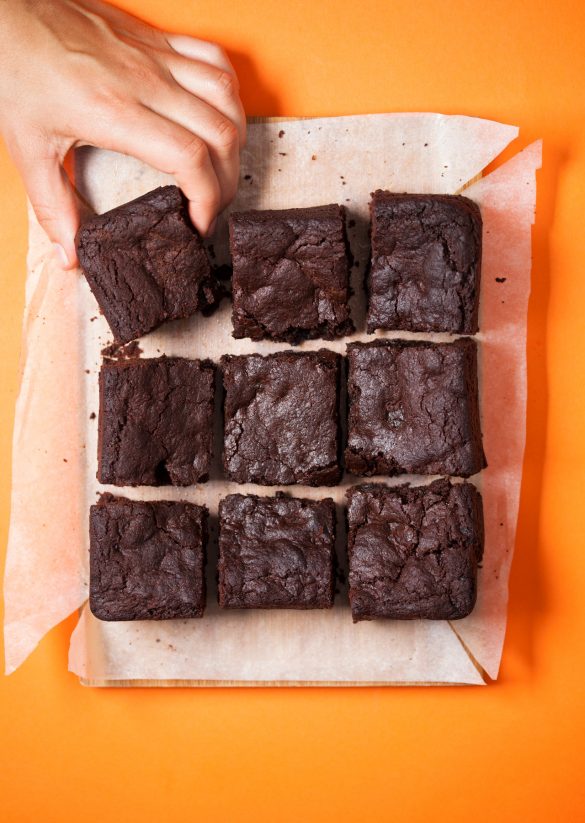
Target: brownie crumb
{"x": 247, "y": 177}
{"x": 117, "y": 351}
{"x": 282, "y": 153}
{"x": 92, "y": 416}
{"x": 500, "y": 279}
{"x": 313, "y": 157}
{"x": 281, "y": 133}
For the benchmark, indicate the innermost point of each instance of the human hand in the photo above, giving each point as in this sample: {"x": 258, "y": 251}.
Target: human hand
{"x": 81, "y": 72}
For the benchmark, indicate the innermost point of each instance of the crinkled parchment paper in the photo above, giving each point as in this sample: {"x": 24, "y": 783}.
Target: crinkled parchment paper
{"x": 285, "y": 164}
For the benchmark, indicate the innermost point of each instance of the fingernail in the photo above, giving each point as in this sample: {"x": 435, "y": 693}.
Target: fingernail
{"x": 212, "y": 227}
{"x": 61, "y": 255}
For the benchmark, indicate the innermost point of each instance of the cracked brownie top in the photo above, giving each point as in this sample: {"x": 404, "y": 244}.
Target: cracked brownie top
{"x": 281, "y": 418}
{"x": 413, "y": 551}
{"x": 155, "y": 422}
{"x": 145, "y": 263}
{"x": 413, "y": 408}
{"x": 146, "y": 559}
{"x": 290, "y": 274}
{"x": 276, "y": 552}
{"x": 426, "y": 259}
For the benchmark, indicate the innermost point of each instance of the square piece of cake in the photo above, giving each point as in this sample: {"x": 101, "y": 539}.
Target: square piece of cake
{"x": 145, "y": 263}
{"x": 146, "y": 559}
{"x": 155, "y": 422}
{"x": 276, "y": 552}
{"x": 291, "y": 274}
{"x": 281, "y": 421}
{"x": 414, "y": 550}
{"x": 426, "y": 260}
{"x": 413, "y": 408}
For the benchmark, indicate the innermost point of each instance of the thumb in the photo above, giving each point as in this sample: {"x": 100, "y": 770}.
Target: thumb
{"x": 53, "y": 200}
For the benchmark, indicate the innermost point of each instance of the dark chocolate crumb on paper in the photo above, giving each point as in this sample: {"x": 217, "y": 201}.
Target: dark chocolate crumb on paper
{"x": 117, "y": 351}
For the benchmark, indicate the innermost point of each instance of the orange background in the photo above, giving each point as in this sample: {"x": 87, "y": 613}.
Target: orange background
{"x": 508, "y": 752}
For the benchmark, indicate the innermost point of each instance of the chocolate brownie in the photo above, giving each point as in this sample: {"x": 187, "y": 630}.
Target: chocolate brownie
{"x": 281, "y": 423}
{"x": 145, "y": 263}
{"x": 291, "y": 274}
{"x": 414, "y": 551}
{"x": 155, "y": 422}
{"x": 413, "y": 408}
{"x": 276, "y": 552}
{"x": 146, "y": 559}
{"x": 426, "y": 258}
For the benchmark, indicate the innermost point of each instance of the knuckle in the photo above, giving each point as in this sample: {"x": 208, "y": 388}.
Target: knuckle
{"x": 226, "y": 84}
{"x": 192, "y": 151}
{"x": 226, "y": 134}
{"x": 108, "y": 100}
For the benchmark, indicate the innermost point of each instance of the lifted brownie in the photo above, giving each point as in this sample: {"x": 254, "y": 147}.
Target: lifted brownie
{"x": 291, "y": 274}
{"x": 155, "y": 422}
{"x": 145, "y": 263}
{"x": 413, "y": 408}
{"x": 276, "y": 552}
{"x": 426, "y": 258}
{"x": 281, "y": 423}
{"x": 414, "y": 551}
{"x": 146, "y": 559}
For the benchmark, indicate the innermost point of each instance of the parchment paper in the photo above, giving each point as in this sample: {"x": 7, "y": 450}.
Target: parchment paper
{"x": 285, "y": 164}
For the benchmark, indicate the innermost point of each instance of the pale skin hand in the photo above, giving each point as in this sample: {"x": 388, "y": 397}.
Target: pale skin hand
{"x": 76, "y": 72}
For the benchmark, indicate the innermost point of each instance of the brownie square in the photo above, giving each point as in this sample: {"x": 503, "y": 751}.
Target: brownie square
{"x": 426, "y": 259}
{"x": 145, "y": 263}
{"x": 414, "y": 551}
{"x": 413, "y": 408}
{"x": 291, "y": 274}
{"x": 155, "y": 422}
{"x": 281, "y": 423}
{"x": 146, "y": 559}
{"x": 276, "y": 552}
